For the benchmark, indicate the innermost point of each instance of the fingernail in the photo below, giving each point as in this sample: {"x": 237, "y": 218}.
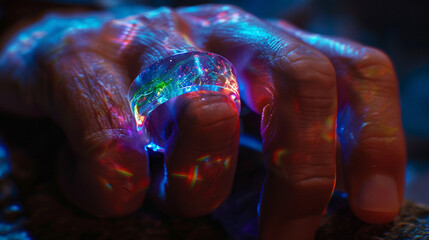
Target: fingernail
{"x": 379, "y": 194}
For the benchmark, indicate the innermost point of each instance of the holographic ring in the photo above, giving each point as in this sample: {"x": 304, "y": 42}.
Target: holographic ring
{"x": 176, "y": 75}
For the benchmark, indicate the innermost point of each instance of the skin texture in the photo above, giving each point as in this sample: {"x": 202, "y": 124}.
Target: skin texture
{"x": 317, "y": 96}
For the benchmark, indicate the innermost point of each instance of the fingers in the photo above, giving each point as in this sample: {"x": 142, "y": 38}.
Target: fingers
{"x": 200, "y": 130}
{"x": 369, "y": 125}
{"x": 294, "y": 87}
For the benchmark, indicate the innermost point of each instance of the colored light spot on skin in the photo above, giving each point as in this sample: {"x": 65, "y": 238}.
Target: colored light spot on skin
{"x": 194, "y": 178}
{"x": 204, "y": 158}
{"x": 227, "y": 162}
{"x": 188, "y": 40}
{"x": 124, "y": 172}
{"x": 329, "y": 133}
{"x": 191, "y": 177}
{"x": 106, "y": 183}
{"x": 184, "y": 175}
{"x": 129, "y": 35}
{"x": 388, "y": 130}
{"x": 278, "y": 155}
{"x": 374, "y": 71}
{"x": 139, "y": 118}
{"x": 220, "y": 17}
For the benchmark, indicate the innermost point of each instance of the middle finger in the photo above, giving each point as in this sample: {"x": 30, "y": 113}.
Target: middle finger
{"x": 294, "y": 86}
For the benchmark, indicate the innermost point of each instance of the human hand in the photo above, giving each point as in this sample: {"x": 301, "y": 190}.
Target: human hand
{"x": 76, "y": 69}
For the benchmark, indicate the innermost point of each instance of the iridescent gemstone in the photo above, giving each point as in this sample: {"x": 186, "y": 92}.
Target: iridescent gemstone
{"x": 177, "y": 75}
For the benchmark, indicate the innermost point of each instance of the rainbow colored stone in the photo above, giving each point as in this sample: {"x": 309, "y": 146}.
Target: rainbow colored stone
{"x": 176, "y": 75}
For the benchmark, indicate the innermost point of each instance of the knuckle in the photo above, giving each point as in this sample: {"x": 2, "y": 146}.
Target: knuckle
{"x": 74, "y": 37}
{"x": 372, "y": 63}
{"x": 206, "y": 112}
{"x": 315, "y": 65}
{"x": 230, "y": 8}
{"x": 383, "y": 150}
{"x": 157, "y": 32}
{"x": 120, "y": 35}
{"x": 373, "y": 68}
{"x": 305, "y": 179}
{"x": 371, "y": 55}
{"x": 307, "y": 173}
{"x": 165, "y": 10}
{"x": 210, "y": 125}
{"x": 305, "y": 65}
{"x": 307, "y": 74}
{"x": 302, "y": 168}
{"x": 65, "y": 34}
{"x": 161, "y": 17}
{"x": 314, "y": 183}
{"x": 382, "y": 141}
{"x": 226, "y": 15}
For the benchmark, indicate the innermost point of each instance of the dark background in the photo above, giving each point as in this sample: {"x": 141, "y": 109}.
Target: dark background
{"x": 400, "y": 28}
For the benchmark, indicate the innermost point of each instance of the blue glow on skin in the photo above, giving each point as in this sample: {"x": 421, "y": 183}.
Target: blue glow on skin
{"x": 40, "y": 40}
{"x": 250, "y": 142}
{"x": 28, "y": 39}
{"x": 163, "y": 184}
{"x": 154, "y": 147}
{"x": 349, "y": 128}
{"x": 336, "y": 46}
